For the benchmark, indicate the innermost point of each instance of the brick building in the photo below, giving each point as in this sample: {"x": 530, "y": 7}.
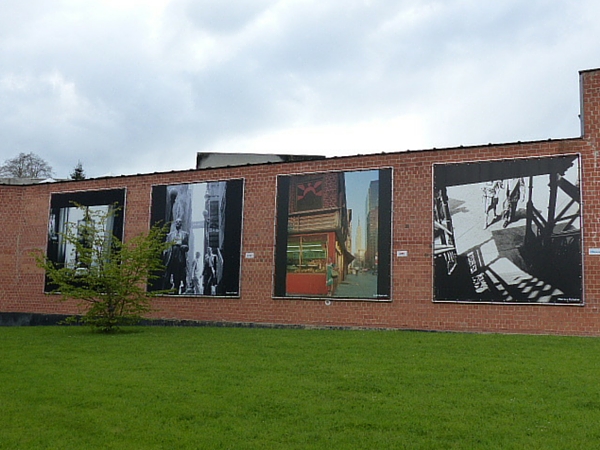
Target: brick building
{"x": 318, "y": 234}
{"x": 492, "y": 238}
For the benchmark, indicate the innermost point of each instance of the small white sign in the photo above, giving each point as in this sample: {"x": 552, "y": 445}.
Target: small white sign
{"x": 402, "y": 253}
{"x": 250, "y": 255}
{"x": 595, "y": 251}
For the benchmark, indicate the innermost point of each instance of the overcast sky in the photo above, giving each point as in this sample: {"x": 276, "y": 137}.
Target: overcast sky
{"x": 138, "y": 86}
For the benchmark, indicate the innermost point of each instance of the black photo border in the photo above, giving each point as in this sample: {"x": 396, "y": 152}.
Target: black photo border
{"x": 384, "y": 273}
{"x": 100, "y": 197}
{"x": 236, "y": 191}
{"x": 460, "y": 173}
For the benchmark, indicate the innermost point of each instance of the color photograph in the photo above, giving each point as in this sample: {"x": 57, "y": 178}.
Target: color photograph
{"x": 204, "y": 223}
{"x": 508, "y": 231}
{"x": 333, "y": 235}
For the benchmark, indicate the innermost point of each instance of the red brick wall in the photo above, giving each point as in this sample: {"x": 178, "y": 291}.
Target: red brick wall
{"x": 24, "y": 216}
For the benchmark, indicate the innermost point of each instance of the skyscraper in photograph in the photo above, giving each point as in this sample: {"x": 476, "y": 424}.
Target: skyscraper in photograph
{"x": 372, "y": 213}
{"x": 359, "y": 252}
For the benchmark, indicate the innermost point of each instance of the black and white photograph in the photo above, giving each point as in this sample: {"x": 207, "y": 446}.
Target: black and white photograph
{"x": 204, "y": 223}
{"x": 333, "y": 235}
{"x": 508, "y": 231}
{"x": 73, "y": 210}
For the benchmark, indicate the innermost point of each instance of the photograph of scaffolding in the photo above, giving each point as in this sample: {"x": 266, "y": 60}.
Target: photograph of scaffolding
{"x": 508, "y": 231}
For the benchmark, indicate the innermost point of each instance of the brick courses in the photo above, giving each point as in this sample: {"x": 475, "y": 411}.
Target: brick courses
{"x": 24, "y": 218}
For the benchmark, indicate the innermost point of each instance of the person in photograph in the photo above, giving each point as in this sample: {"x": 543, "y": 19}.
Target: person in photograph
{"x": 331, "y": 275}
{"x": 515, "y": 191}
{"x": 218, "y": 286}
{"x": 213, "y": 271}
{"x": 175, "y": 258}
{"x": 491, "y": 193}
{"x": 209, "y": 273}
{"x": 197, "y": 274}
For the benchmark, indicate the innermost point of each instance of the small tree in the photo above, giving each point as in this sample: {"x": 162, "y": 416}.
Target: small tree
{"x": 78, "y": 173}
{"x": 26, "y": 165}
{"x": 109, "y": 277}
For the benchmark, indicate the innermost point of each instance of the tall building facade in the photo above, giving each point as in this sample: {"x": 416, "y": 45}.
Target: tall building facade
{"x": 372, "y": 213}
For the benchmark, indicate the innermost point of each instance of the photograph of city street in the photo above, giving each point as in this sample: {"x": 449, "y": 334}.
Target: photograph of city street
{"x": 508, "y": 231}
{"x": 71, "y": 212}
{"x": 204, "y": 231}
{"x": 333, "y": 235}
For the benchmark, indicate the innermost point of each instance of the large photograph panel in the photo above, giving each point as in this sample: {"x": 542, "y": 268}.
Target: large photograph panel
{"x": 205, "y": 229}
{"x": 69, "y": 211}
{"x": 334, "y": 235}
{"x": 508, "y": 231}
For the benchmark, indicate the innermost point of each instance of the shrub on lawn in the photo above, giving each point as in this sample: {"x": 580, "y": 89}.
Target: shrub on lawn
{"x": 109, "y": 276}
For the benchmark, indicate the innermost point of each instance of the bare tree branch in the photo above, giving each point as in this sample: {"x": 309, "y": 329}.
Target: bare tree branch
{"x": 26, "y": 165}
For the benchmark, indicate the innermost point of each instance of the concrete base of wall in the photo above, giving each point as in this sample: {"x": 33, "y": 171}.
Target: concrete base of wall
{"x": 17, "y": 319}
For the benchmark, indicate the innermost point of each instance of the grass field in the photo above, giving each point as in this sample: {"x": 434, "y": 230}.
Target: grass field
{"x": 240, "y": 388}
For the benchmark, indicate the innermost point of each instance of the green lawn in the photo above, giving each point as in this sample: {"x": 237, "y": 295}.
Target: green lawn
{"x": 242, "y": 388}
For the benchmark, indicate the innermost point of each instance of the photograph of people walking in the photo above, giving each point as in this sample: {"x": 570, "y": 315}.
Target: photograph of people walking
{"x": 508, "y": 231}
{"x": 204, "y": 232}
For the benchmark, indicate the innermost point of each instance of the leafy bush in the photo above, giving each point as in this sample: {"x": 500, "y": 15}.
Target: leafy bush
{"x": 110, "y": 276}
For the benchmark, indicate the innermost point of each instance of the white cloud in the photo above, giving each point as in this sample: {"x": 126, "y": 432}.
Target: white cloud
{"x": 127, "y": 84}
{"x": 375, "y": 136}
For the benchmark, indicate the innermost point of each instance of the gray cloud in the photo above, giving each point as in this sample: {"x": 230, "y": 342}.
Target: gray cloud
{"x": 129, "y": 87}
{"x": 219, "y": 17}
